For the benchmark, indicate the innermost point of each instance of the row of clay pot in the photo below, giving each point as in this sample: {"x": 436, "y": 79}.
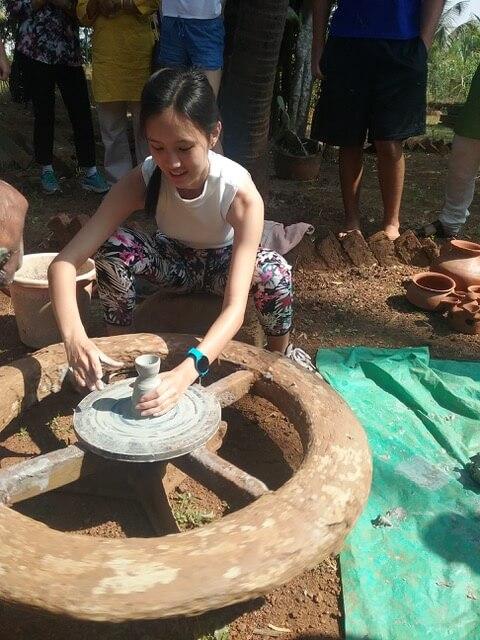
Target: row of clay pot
{"x": 460, "y": 260}
{"x": 436, "y": 292}
{"x": 452, "y": 285}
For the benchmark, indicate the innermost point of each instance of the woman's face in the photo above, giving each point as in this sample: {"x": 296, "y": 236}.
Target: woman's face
{"x": 180, "y": 148}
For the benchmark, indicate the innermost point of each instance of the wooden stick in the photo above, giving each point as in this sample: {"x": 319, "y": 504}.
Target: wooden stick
{"x": 44, "y": 473}
{"x": 218, "y": 475}
{"x": 231, "y": 388}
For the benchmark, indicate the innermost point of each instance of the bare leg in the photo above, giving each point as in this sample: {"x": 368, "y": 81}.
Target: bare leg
{"x": 391, "y": 174}
{"x": 351, "y": 171}
{"x": 278, "y": 343}
{"x": 215, "y": 77}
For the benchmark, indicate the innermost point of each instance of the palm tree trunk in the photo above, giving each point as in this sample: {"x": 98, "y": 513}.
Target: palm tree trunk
{"x": 302, "y": 87}
{"x": 249, "y": 77}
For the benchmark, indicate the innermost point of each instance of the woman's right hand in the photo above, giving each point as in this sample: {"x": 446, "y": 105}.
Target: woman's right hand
{"x": 85, "y": 363}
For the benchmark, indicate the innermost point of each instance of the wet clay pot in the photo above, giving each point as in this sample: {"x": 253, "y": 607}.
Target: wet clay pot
{"x": 148, "y": 367}
{"x": 427, "y": 290}
{"x": 460, "y": 260}
{"x": 465, "y": 318}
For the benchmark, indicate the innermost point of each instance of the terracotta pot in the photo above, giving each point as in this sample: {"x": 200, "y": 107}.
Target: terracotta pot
{"x": 460, "y": 260}
{"x": 465, "y": 319}
{"x": 427, "y": 290}
{"x": 474, "y": 289}
{"x": 34, "y": 316}
{"x": 449, "y": 301}
{"x": 300, "y": 168}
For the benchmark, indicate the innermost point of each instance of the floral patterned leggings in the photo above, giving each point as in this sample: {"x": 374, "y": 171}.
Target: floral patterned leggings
{"x": 176, "y": 267}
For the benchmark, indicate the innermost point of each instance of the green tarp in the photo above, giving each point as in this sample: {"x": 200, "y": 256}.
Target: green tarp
{"x": 420, "y": 577}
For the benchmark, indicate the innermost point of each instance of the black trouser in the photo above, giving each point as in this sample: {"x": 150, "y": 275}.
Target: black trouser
{"x": 42, "y": 79}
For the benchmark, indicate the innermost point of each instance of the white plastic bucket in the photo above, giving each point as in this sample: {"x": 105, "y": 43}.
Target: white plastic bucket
{"x": 36, "y": 322}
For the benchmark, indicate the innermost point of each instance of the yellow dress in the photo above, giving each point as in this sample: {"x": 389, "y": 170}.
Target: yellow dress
{"x": 121, "y": 51}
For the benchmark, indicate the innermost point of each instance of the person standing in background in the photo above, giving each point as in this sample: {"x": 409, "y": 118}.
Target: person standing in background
{"x": 122, "y": 47}
{"x": 192, "y": 36}
{"x": 48, "y": 50}
{"x": 373, "y": 68}
{"x": 4, "y": 63}
{"x": 463, "y": 166}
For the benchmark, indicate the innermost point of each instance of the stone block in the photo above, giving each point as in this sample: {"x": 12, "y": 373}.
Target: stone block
{"x": 410, "y": 251}
{"x": 331, "y": 252}
{"x": 383, "y": 249}
{"x": 357, "y": 249}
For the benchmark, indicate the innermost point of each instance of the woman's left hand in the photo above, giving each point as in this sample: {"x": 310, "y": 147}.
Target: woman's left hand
{"x": 173, "y": 385}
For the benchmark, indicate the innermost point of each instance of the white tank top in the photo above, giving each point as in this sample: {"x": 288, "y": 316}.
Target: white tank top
{"x": 199, "y": 9}
{"x": 200, "y": 223}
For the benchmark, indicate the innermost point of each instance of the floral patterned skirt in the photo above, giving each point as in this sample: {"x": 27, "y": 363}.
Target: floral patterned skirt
{"x": 181, "y": 269}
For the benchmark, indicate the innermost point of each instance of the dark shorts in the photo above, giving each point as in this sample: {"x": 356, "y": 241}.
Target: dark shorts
{"x": 468, "y": 123}
{"x": 371, "y": 87}
{"x": 188, "y": 42}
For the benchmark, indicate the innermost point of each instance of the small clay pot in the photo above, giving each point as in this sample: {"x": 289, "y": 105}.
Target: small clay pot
{"x": 449, "y": 301}
{"x": 465, "y": 320}
{"x": 474, "y": 289}
{"x": 460, "y": 260}
{"x": 427, "y": 290}
{"x": 301, "y": 168}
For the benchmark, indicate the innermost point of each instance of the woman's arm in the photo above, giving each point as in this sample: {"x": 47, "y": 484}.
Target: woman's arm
{"x": 246, "y": 217}
{"x": 126, "y": 196}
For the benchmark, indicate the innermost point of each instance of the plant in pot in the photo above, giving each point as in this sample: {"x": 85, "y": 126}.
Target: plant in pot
{"x": 294, "y": 158}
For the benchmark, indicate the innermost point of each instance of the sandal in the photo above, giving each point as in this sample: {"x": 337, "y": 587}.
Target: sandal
{"x": 436, "y": 229}
{"x": 300, "y": 357}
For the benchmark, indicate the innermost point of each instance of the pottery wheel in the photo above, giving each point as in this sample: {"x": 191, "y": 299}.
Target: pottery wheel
{"x": 104, "y": 423}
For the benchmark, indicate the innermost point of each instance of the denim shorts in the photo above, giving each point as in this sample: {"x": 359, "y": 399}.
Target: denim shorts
{"x": 188, "y": 42}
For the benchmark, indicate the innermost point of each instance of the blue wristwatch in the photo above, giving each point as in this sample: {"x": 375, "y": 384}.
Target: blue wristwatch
{"x": 202, "y": 365}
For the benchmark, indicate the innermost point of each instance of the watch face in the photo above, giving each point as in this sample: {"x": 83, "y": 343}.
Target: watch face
{"x": 203, "y": 364}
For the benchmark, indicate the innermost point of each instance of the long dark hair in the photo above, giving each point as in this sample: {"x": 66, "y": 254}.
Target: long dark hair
{"x": 189, "y": 93}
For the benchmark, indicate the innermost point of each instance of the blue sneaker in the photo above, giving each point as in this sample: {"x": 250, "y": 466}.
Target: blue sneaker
{"x": 49, "y": 182}
{"x": 96, "y": 182}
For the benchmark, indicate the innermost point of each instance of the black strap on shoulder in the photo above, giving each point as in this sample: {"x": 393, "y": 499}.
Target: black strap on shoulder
{"x": 153, "y": 193}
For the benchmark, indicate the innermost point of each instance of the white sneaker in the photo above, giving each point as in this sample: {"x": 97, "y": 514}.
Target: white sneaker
{"x": 299, "y": 356}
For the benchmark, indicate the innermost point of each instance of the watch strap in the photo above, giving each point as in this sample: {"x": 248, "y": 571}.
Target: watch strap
{"x": 197, "y": 356}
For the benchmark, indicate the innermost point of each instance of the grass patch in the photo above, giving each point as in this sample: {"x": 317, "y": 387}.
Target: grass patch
{"x": 23, "y": 433}
{"x": 188, "y": 514}
{"x": 219, "y": 634}
{"x": 60, "y": 428}
{"x": 439, "y": 132}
